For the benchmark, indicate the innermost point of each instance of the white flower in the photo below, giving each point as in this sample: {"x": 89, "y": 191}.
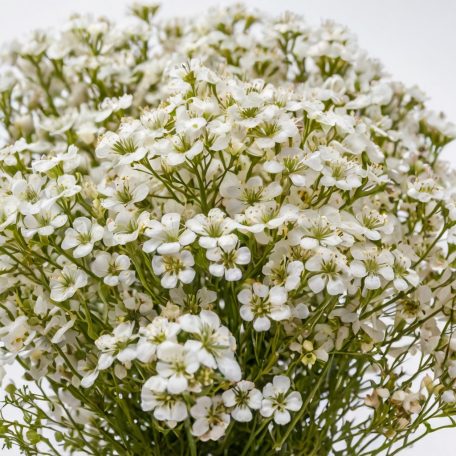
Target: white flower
{"x": 277, "y": 401}
{"x": 267, "y": 215}
{"x": 17, "y": 334}
{"x": 179, "y": 148}
{"x": 64, "y": 187}
{"x": 329, "y": 270}
{"x": 212, "y": 229}
{"x": 275, "y": 129}
{"x": 161, "y": 330}
{"x": 30, "y": 194}
{"x": 174, "y": 268}
{"x": 166, "y": 407}
{"x": 239, "y": 195}
{"x": 110, "y": 105}
{"x": 66, "y": 282}
{"x": 243, "y": 397}
{"x": 368, "y": 223}
{"x": 301, "y": 168}
{"x": 177, "y": 364}
{"x": 123, "y": 192}
{"x": 122, "y": 148}
{"x": 213, "y": 343}
{"x": 404, "y": 275}
{"x": 82, "y": 237}
{"x": 166, "y": 237}
{"x": 124, "y": 228}
{"x": 340, "y": 172}
{"x": 226, "y": 258}
{"x": 155, "y": 121}
{"x": 187, "y": 125}
{"x": 372, "y": 265}
{"x": 261, "y": 304}
{"x": 44, "y": 223}
{"x": 286, "y": 274}
{"x": 424, "y": 190}
{"x": 211, "y": 419}
{"x": 117, "y": 345}
{"x": 70, "y": 160}
{"x": 203, "y": 299}
{"x": 315, "y": 229}
{"x": 114, "y": 269}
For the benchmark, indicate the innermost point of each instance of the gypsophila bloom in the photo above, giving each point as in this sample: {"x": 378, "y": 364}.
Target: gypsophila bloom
{"x": 213, "y": 343}
{"x": 174, "y": 268}
{"x": 114, "y": 269}
{"x": 82, "y": 237}
{"x": 66, "y": 282}
{"x": 165, "y": 407}
{"x": 261, "y": 305}
{"x": 278, "y": 401}
{"x": 211, "y": 420}
{"x": 176, "y": 363}
{"x": 243, "y": 397}
{"x": 165, "y": 237}
{"x": 152, "y": 336}
{"x": 226, "y": 259}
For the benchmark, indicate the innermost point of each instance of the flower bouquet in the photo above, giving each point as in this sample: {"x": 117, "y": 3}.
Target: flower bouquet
{"x": 229, "y": 235}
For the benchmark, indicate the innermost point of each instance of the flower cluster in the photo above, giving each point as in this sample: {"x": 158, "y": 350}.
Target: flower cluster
{"x": 221, "y": 235}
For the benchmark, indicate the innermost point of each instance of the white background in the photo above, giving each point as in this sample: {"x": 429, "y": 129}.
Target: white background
{"x": 415, "y": 39}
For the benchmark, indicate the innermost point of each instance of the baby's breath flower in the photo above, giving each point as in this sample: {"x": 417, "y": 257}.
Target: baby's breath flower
{"x": 174, "y": 268}
{"x": 82, "y": 236}
{"x": 66, "y": 282}
{"x": 278, "y": 401}
{"x": 261, "y": 305}
{"x": 165, "y": 406}
{"x": 243, "y": 397}
{"x": 211, "y": 419}
{"x": 167, "y": 237}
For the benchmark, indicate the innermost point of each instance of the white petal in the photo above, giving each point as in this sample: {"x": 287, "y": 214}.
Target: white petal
{"x": 243, "y": 256}
{"x": 244, "y": 296}
{"x": 200, "y": 427}
{"x": 246, "y": 313}
{"x": 169, "y": 281}
{"x": 294, "y": 401}
{"x": 229, "y": 368}
{"x": 217, "y": 270}
{"x": 187, "y": 275}
{"x": 336, "y": 286}
{"x": 167, "y": 248}
{"x": 242, "y": 414}
{"x": 82, "y": 250}
{"x": 187, "y": 237}
{"x": 282, "y": 417}
{"x": 233, "y": 274}
{"x": 89, "y": 379}
{"x": 229, "y": 398}
{"x": 278, "y": 295}
{"x": 281, "y": 383}
{"x": 372, "y": 282}
{"x": 177, "y": 384}
{"x": 261, "y": 324}
{"x": 358, "y": 269}
{"x": 317, "y": 283}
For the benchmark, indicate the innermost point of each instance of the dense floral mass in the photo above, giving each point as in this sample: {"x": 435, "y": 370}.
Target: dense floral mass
{"x": 223, "y": 235}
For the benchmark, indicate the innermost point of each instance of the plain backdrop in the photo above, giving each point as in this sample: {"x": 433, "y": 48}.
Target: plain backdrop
{"x": 415, "y": 39}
